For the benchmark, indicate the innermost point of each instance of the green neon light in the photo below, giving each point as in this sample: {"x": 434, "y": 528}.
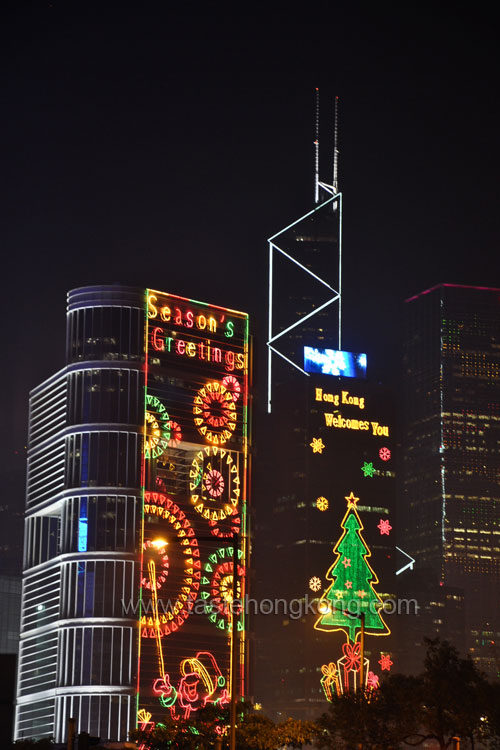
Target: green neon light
{"x": 351, "y": 592}
{"x": 368, "y": 469}
{"x": 143, "y": 490}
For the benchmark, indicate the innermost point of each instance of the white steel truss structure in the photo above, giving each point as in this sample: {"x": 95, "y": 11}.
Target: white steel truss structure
{"x": 273, "y": 337}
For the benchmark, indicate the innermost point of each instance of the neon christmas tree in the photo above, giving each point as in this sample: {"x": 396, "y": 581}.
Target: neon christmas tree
{"x": 353, "y": 580}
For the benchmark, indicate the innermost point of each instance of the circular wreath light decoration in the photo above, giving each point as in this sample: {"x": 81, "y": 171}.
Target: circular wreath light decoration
{"x": 149, "y": 547}
{"x": 215, "y": 413}
{"x": 214, "y": 483}
{"x": 175, "y": 433}
{"x": 160, "y": 505}
{"x": 233, "y": 385}
{"x": 227, "y": 529}
{"x": 217, "y": 588}
{"x": 157, "y": 427}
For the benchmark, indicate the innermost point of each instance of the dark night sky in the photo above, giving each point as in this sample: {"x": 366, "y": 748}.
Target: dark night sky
{"x": 160, "y": 147}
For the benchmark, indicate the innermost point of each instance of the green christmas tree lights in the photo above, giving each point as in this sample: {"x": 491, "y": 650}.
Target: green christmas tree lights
{"x": 351, "y": 592}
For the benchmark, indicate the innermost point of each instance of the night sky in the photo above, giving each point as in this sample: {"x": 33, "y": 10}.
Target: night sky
{"x": 161, "y": 147}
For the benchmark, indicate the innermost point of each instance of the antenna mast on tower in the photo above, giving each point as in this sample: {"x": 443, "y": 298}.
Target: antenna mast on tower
{"x": 316, "y": 152}
{"x": 335, "y": 183}
{"x": 288, "y": 251}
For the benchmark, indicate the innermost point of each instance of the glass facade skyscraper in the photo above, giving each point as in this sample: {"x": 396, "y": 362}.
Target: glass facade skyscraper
{"x": 137, "y": 478}
{"x": 451, "y": 448}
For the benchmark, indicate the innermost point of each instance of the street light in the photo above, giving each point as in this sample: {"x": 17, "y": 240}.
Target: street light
{"x": 159, "y": 543}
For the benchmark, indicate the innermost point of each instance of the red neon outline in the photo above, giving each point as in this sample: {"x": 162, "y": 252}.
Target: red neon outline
{"x": 196, "y": 302}
{"x": 185, "y": 534}
{"x": 453, "y": 286}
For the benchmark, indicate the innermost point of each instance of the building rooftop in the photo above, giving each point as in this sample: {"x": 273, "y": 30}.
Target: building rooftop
{"x": 455, "y": 286}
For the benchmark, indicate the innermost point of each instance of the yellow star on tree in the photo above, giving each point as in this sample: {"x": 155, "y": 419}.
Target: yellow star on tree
{"x": 351, "y": 500}
{"x": 317, "y": 445}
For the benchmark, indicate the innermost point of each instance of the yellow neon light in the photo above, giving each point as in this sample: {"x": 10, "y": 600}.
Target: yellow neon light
{"x": 351, "y": 501}
{"x": 322, "y": 503}
{"x": 195, "y": 665}
{"x": 336, "y": 398}
{"x": 215, "y": 413}
{"x": 154, "y": 597}
{"x": 197, "y": 302}
{"x": 214, "y": 483}
{"x": 341, "y": 423}
{"x": 158, "y": 543}
{"x": 317, "y": 445}
{"x": 157, "y": 427}
{"x": 325, "y": 605}
{"x": 144, "y": 716}
{"x": 330, "y": 680}
{"x": 314, "y": 583}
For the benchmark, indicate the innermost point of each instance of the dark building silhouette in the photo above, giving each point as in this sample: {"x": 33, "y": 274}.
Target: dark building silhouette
{"x": 451, "y": 451}
{"x": 300, "y": 509}
{"x": 300, "y": 495}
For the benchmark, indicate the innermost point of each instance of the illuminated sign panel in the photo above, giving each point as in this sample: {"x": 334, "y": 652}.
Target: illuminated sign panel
{"x": 336, "y": 419}
{"x": 334, "y": 362}
{"x": 352, "y": 423}
{"x": 195, "y": 465}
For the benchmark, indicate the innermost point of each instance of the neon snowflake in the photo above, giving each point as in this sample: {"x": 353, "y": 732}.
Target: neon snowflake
{"x": 385, "y": 662}
{"x": 317, "y": 445}
{"x": 368, "y": 469}
{"x": 315, "y": 583}
{"x": 322, "y": 503}
{"x": 384, "y": 526}
{"x": 384, "y": 454}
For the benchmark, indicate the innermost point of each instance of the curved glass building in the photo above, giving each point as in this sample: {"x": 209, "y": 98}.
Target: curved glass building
{"x": 136, "y": 495}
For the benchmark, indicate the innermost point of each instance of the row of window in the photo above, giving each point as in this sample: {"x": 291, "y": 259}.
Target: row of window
{"x": 37, "y": 663}
{"x": 86, "y": 524}
{"x": 104, "y": 459}
{"x": 97, "y": 656}
{"x": 105, "y": 333}
{"x": 101, "y": 523}
{"x": 99, "y": 588}
{"x": 106, "y": 395}
{"x": 105, "y": 716}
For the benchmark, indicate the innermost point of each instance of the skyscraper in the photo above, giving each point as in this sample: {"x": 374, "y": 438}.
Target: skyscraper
{"x": 331, "y": 436}
{"x": 451, "y": 448}
{"x": 329, "y": 433}
{"x": 135, "y": 516}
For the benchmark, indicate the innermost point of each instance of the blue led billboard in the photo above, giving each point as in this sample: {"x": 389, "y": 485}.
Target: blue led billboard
{"x": 334, "y": 362}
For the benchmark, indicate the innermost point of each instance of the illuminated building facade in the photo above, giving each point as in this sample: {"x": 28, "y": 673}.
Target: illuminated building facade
{"x": 451, "y": 456}
{"x": 332, "y": 436}
{"x": 135, "y": 517}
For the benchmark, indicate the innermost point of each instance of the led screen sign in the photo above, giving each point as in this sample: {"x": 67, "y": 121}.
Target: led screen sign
{"x": 334, "y": 362}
